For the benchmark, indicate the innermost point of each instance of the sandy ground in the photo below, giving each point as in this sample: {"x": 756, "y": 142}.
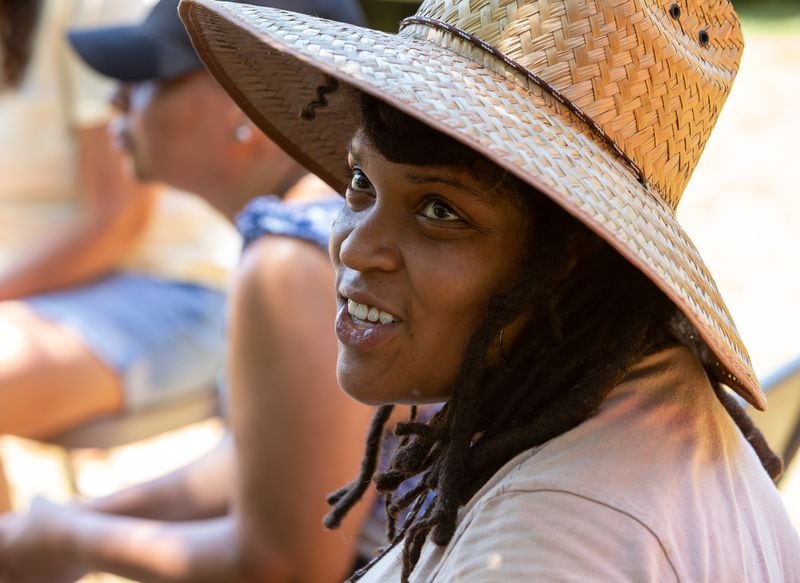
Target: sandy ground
{"x": 742, "y": 208}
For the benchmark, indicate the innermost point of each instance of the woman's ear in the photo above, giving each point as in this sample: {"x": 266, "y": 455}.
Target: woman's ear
{"x": 501, "y": 348}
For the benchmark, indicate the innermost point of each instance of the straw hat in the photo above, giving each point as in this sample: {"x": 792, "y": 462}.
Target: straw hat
{"x": 602, "y": 105}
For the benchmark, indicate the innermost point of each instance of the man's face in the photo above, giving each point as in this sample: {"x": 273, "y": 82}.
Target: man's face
{"x": 176, "y": 131}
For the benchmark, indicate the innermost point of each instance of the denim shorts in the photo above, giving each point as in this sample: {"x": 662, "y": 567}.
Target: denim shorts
{"x": 163, "y": 338}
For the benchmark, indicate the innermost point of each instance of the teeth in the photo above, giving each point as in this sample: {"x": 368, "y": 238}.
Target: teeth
{"x": 369, "y": 313}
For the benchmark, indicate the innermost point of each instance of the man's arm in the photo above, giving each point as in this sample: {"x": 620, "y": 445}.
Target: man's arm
{"x": 117, "y": 209}
{"x": 201, "y": 489}
{"x": 60, "y": 544}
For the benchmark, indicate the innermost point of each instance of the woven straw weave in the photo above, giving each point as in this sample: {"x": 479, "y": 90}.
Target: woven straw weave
{"x": 641, "y": 74}
{"x": 630, "y": 66}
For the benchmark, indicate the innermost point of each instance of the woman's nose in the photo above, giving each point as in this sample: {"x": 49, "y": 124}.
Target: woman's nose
{"x": 368, "y": 240}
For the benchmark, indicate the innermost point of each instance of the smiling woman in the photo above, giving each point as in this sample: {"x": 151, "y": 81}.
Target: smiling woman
{"x": 509, "y": 247}
{"x": 412, "y": 229}
{"x": 486, "y": 281}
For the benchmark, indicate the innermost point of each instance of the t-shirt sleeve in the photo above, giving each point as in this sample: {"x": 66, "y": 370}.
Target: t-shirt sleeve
{"x": 554, "y": 536}
{"x": 89, "y": 93}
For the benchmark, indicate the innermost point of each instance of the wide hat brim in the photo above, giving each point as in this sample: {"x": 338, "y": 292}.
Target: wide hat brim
{"x": 273, "y": 63}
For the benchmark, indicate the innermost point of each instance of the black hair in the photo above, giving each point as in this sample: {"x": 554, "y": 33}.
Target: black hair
{"x": 18, "y": 19}
{"x": 590, "y": 315}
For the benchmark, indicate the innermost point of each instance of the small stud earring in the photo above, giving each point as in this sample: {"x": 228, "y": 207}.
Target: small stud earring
{"x": 502, "y": 348}
{"x": 243, "y": 132}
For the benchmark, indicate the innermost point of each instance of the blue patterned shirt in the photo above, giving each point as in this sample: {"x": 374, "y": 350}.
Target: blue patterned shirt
{"x": 269, "y": 215}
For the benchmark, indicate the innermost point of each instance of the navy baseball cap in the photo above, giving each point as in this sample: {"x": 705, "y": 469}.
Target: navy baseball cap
{"x": 159, "y": 48}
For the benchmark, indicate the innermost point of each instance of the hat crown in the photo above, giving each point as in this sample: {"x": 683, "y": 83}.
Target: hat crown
{"x": 653, "y": 74}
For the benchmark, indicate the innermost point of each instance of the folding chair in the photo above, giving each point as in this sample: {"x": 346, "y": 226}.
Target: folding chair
{"x": 780, "y": 424}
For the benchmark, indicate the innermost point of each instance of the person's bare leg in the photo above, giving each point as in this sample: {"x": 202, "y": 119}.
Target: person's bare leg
{"x": 49, "y": 381}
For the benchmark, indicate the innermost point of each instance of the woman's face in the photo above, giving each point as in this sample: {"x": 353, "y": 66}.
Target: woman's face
{"x": 418, "y": 252}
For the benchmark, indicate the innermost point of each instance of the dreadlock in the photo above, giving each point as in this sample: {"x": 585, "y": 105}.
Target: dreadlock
{"x": 590, "y": 315}
{"x": 18, "y": 19}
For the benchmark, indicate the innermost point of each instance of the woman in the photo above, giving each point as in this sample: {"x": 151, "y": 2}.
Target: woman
{"x": 509, "y": 246}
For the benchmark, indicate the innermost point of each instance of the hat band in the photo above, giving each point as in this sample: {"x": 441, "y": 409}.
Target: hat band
{"x": 555, "y": 93}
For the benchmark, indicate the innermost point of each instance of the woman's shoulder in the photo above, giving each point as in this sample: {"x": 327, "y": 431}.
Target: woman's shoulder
{"x": 661, "y": 444}
{"x": 516, "y": 529}
{"x": 285, "y": 269}
{"x": 660, "y": 477}
{"x": 527, "y": 527}
{"x": 546, "y": 534}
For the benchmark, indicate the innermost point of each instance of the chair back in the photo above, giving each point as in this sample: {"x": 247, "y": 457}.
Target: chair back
{"x": 780, "y": 423}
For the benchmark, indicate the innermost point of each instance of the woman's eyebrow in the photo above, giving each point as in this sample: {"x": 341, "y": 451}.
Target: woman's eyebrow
{"x": 452, "y": 181}
{"x": 352, "y": 151}
{"x": 429, "y": 178}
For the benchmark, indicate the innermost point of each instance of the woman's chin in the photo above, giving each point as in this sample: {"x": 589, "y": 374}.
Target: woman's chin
{"x": 378, "y": 393}
{"x": 367, "y": 393}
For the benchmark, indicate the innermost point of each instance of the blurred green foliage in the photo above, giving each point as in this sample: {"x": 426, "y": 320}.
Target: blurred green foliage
{"x": 386, "y": 14}
{"x": 769, "y": 16}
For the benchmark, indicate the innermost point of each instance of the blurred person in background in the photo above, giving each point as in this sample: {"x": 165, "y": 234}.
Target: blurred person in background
{"x": 111, "y": 289}
{"x": 250, "y": 510}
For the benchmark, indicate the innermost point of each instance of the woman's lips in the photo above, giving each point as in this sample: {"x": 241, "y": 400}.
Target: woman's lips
{"x": 362, "y": 335}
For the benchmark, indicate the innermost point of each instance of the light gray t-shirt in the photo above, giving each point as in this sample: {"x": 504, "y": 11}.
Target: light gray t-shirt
{"x": 659, "y": 486}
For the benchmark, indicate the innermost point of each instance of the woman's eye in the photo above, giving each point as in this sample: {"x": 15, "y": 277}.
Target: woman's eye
{"x": 359, "y": 181}
{"x": 439, "y": 211}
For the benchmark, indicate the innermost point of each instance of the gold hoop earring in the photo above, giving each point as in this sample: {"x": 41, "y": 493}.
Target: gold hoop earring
{"x": 502, "y": 349}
